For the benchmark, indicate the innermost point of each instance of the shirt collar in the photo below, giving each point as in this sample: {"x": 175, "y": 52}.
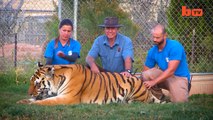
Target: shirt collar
{"x": 107, "y": 43}
{"x": 68, "y": 42}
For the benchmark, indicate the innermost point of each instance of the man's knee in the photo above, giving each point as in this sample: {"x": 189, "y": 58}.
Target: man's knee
{"x": 150, "y": 74}
{"x": 180, "y": 100}
{"x": 179, "y": 96}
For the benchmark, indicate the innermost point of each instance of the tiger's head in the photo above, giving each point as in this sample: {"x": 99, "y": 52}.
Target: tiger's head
{"x": 45, "y": 82}
{"x": 38, "y": 89}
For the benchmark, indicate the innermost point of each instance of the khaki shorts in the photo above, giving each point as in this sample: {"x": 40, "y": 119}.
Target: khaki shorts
{"x": 177, "y": 86}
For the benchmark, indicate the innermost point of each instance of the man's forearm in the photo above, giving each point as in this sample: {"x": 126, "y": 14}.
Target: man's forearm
{"x": 128, "y": 63}
{"x": 90, "y": 60}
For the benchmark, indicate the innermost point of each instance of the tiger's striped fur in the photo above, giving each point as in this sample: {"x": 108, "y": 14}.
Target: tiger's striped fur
{"x": 74, "y": 84}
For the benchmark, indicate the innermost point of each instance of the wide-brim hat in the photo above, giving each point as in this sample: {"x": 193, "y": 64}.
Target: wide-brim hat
{"x": 110, "y": 22}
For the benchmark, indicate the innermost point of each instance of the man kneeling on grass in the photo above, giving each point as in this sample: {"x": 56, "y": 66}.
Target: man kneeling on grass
{"x": 173, "y": 73}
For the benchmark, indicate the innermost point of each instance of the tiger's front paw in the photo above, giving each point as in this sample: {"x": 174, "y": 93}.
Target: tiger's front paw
{"x": 24, "y": 101}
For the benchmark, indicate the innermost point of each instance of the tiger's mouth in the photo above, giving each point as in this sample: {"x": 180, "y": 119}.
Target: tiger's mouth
{"x": 44, "y": 93}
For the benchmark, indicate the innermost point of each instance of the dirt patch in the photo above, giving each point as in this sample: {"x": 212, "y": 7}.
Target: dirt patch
{"x": 24, "y": 51}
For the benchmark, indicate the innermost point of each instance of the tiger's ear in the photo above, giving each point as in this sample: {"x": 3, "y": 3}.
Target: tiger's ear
{"x": 50, "y": 70}
{"x": 39, "y": 64}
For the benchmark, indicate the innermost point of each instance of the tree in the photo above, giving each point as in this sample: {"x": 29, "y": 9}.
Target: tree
{"x": 93, "y": 12}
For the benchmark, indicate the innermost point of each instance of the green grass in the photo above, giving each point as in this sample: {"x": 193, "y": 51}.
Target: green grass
{"x": 199, "y": 107}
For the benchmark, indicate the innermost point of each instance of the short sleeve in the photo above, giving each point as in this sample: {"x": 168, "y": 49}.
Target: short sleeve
{"x": 49, "y": 50}
{"x": 128, "y": 50}
{"x": 150, "y": 61}
{"x": 77, "y": 48}
{"x": 176, "y": 52}
{"x": 94, "y": 50}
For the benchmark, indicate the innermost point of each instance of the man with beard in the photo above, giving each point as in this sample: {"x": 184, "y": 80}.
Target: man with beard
{"x": 166, "y": 66}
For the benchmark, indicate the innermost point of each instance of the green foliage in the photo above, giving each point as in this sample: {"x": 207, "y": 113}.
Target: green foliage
{"x": 208, "y": 42}
{"x": 194, "y": 32}
{"x": 6, "y": 64}
{"x": 137, "y": 62}
{"x": 7, "y": 78}
{"x": 51, "y": 27}
{"x": 180, "y": 25}
{"x": 67, "y": 7}
{"x": 93, "y": 13}
{"x": 84, "y": 50}
{"x": 201, "y": 65}
{"x": 19, "y": 75}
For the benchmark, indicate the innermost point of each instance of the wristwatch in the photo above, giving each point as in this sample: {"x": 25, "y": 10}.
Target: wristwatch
{"x": 129, "y": 71}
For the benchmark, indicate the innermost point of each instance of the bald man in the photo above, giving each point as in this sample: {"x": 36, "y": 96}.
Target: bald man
{"x": 166, "y": 66}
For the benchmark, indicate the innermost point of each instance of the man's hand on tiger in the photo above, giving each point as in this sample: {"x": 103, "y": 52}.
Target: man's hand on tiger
{"x": 125, "y": 73}
{"x": 94, "y": 68}
{"x": 149, "y": 83}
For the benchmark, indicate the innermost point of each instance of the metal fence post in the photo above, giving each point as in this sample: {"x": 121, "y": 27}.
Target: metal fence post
{"x": 59, "y": 10}
{"x": 15, "y": 51}
{"x": 75, "y": 19}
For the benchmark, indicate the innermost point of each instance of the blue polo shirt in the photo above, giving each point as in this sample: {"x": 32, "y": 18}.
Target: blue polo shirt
{"x": 173, "y": 50}
{"x": 112, "y": 58}
{"x": 68, "y": 49}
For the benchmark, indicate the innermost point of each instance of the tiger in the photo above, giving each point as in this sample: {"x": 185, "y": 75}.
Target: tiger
{"x": 75, "y": 84}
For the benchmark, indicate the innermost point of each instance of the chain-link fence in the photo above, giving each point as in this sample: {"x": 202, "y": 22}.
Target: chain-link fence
{"x": 27, "y": 25}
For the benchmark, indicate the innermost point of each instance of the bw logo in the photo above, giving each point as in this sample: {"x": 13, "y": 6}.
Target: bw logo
{"x": 191, "y": 12}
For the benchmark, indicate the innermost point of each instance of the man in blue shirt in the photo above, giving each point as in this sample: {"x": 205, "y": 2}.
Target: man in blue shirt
{"x": 114, "y": 49}
{"x": 63, "y": 49}
{"x": 173, "y": 73}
